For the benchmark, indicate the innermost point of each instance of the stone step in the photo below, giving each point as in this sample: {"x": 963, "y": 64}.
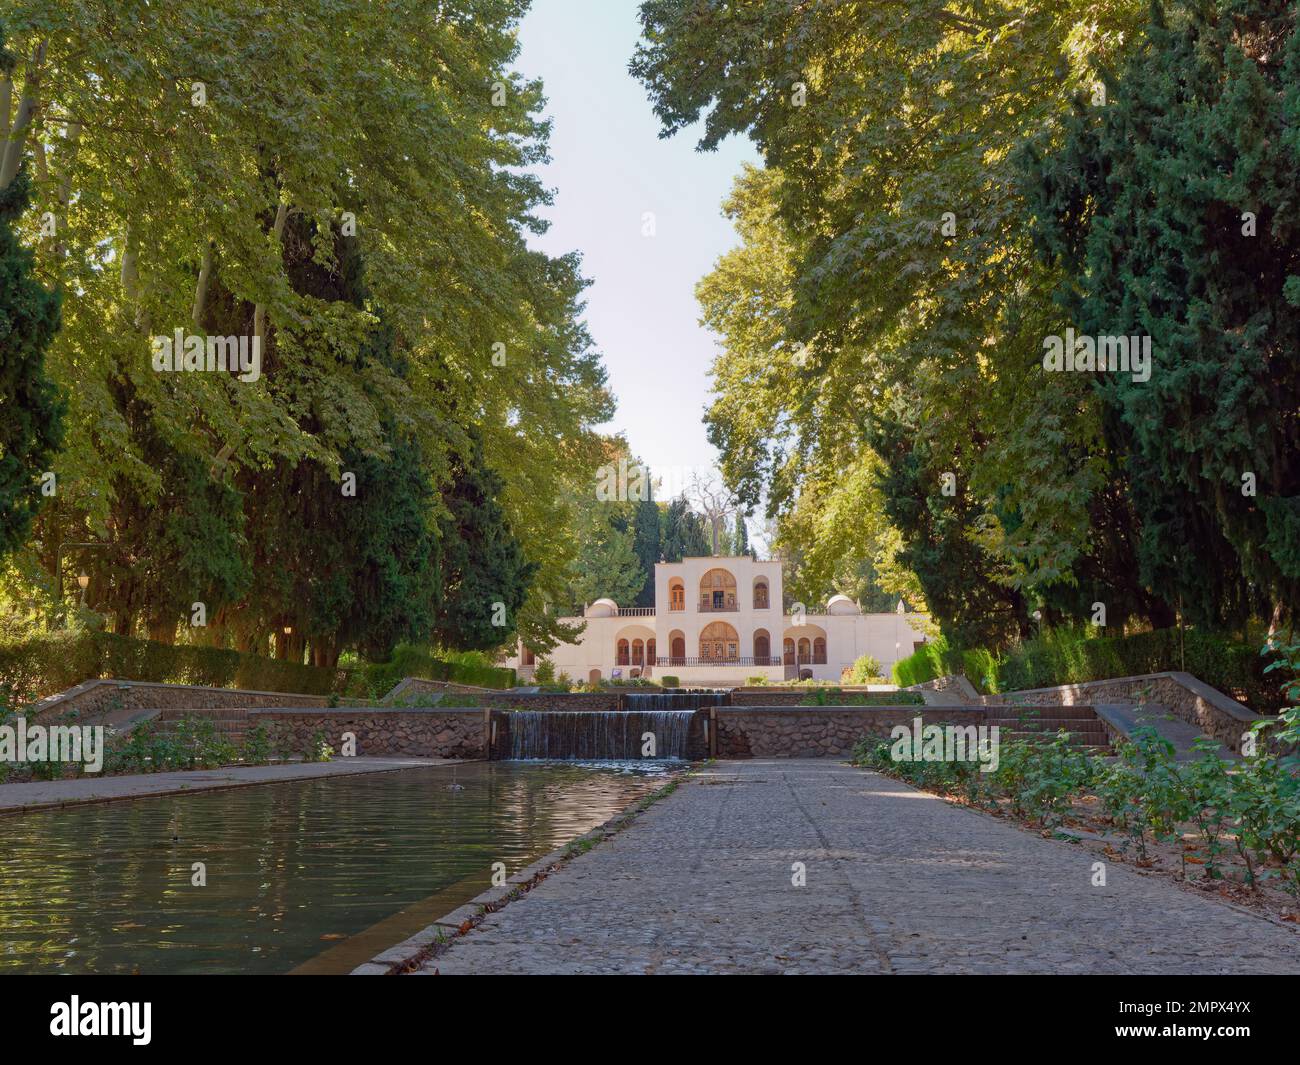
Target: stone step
{"x": 218, "y": 713}
{"x": 1077, "y": 741}
{"x": 1050, "y": 728}
{"x": 1040, "y": 713}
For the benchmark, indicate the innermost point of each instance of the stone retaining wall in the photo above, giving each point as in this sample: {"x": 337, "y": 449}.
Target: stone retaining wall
{"x": 110, "y": 701}
{"x": 952, "y": 684}
{"x": 417, "y": 731}
{"x": 1182, "y": 694}
{"x": 820, "y": 731}
{"x": 413, "y": 688}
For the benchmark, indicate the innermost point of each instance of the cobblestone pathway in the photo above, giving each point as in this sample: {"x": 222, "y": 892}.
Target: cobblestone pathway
{"x": 897, "y": 881}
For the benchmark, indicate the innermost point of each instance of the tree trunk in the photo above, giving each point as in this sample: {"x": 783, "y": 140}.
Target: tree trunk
{"x": 12, "y": 156}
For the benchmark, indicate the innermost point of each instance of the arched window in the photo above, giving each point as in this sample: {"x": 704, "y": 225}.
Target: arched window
{"x": 787, "y": 650}
{"x": 676, "y": 594}
{"x": 762, "y": 647}
{"x": 638, "y": 653}
{"x": 677, "y": 648}
{"x": 622, "y": 657}
{"x": 717, "y": 591}
{"x": 718, "y": 641}
{"x": 527, "y": 658}
{"x": 760, "y": 593}
{"x": 650, "y": 652}
{"x": 819, "y": 651}
{"x": 805, "y": 650}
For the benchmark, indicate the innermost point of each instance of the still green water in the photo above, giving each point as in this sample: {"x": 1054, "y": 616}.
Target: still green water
{"x": 315, "y": 875}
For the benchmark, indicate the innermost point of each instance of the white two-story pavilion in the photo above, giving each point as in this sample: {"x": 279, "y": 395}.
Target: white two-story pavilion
{"x": 719, "y": 622}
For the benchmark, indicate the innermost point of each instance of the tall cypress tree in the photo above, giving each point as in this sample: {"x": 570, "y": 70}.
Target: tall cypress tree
{"x": 1172, "y": 212}
{"x": 31, "y": 410}
{"x": 485, "y": 574}
{"x": 683, "y": 533}
{"x": 647, "y": 545}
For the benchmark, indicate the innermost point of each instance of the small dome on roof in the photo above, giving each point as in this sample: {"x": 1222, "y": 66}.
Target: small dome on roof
{"x": 603, "y": 608}
{"x": 841, "y": 604}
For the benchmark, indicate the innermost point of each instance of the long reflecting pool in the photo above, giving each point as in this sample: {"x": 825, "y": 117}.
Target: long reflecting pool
{"x": 311, "y": 876}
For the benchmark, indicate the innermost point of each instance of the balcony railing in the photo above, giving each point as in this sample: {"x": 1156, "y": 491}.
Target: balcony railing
{"x": 711, "y": 608}
{"x": 636, "y": 611}
{"x": 737, "y": 661}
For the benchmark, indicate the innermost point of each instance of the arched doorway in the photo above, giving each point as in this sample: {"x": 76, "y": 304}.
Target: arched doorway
{"x": 819, "y": 651}
{"x": 787, "y": 651}
{"x": 623, "y": 655}
{"x": 719, "y": 642}
{"x": 762, "y": 647}
{"x": 677, "y": 648}
{"x": 593, "y": 677}
{"x": 676, "y": 594}
{"x": 760, "y": 593}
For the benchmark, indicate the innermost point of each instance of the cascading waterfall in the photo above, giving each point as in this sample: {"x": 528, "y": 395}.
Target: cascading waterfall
{"x": 676, "y": 700}
{"x": 583, "y": 735}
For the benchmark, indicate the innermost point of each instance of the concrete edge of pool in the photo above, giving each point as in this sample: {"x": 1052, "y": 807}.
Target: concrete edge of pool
{"x": 414, "y": 948}
{"x": 41, "y": 796}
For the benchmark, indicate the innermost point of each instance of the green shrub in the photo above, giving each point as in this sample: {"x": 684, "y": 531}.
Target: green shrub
{"x": 669, "y": 681}
{"x": 865, "y": 670}
{"x": 257, "y": 746}
{"x": 931, "y": 660}
{"x": 1076, "y": 656}
{"x": 373, "y": 680}
{"x": 57, "y": 661}
{"x": 836, "y": 697}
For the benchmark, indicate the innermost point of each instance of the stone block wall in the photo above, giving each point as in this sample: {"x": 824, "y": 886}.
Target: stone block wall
{"x": 110, "y": 702}
{"x": 416, "y": 732}
{"x": 413, "y": 688}
{"x": 821, "y": 731}
{"x": 1182, "y": 694}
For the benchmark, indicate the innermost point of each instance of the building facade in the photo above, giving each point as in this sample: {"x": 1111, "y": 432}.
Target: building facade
{"x": 719, "y": 622}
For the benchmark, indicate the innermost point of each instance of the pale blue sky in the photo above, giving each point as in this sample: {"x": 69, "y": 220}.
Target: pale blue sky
{"x": 608, "y": 168}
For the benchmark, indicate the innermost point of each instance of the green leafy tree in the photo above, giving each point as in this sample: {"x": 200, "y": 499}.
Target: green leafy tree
{"x": 1170, "y": 213}
{"x": 885, "y": 264}
{"x": 31, "y": 411}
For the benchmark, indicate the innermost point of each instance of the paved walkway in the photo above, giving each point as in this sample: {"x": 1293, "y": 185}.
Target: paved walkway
{"x": 897, "y": 881}
{"x": 1182, "y": 734}
{"x": 44, "y": 795}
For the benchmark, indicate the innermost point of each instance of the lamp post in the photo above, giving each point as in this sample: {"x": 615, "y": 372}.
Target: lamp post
{"x": 82, "y": 580}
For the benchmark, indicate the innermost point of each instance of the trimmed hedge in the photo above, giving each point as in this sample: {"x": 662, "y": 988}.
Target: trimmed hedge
{"x": 376, "y": 679}
{"x": 1068, "y": 656}
{"x": 57, "y": 661}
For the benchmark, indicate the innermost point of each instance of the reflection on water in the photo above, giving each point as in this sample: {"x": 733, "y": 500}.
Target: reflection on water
{"x": 292, "y": 869}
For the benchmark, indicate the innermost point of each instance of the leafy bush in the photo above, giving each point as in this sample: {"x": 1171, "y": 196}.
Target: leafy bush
{"x": 836, "y": 697}
{"x": 669, "y": 681}
{"x": 1144, "y": 794}
{"x": 257, "y": 746}
{"x": 865, "y": 670}
{"x": 1076, "y": 656}
{"x": 930, "y": 660}
{"x": 57, "y": 661}
{"x": 373, "y": 680}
